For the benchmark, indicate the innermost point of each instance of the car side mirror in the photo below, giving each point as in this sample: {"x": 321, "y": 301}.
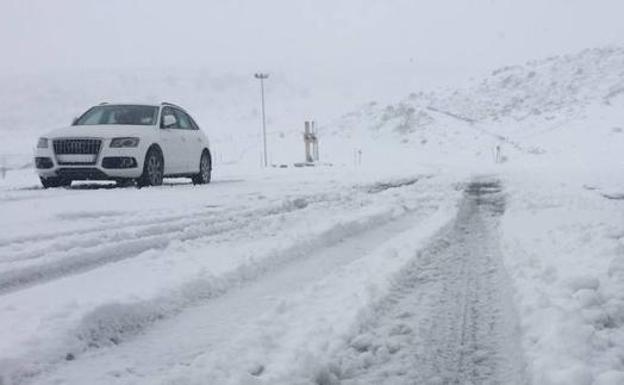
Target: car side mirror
{"x": 74, "y": 120}
{"x": 169, "y": 121}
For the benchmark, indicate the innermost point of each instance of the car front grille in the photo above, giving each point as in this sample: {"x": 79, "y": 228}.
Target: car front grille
{"x": 77, "y": 146}
{"x": 81, "y": 173}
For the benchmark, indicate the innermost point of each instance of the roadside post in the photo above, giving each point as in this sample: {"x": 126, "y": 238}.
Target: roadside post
{"x": 262, "y": 77}
{"x": 310, "y": 139}
{"x": 357, "y": 157}
{"x": 3, "y": 167}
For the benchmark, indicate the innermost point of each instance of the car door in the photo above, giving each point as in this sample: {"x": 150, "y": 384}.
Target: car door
{"x": 171, "y": 141}
{"x": 199, "y": 142}
{"x": 192, "y": 147}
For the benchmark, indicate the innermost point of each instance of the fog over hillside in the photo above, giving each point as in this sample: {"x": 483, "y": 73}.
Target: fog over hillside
{"x": 558, "y": 87}
{"x": 324, "y": 59}
{"x": 529, "y": 109}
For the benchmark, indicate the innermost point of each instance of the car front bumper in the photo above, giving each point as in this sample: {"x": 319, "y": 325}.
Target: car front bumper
{"x": 108, "y": 164}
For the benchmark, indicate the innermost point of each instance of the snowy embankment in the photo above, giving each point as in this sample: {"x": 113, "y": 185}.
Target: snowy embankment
{"x": 564, "y": 247}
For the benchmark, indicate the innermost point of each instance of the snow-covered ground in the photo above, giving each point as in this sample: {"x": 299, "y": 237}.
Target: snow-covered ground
{"x": 563, "y": 241}
{"x": 241, "y": 252}
{"x": 425, "y": 262}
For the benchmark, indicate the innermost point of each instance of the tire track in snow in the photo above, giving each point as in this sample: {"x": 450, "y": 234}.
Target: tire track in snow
{"x": 136, "y": 224}
{"x": 450, "y": 317}
{"x": 390, "y": 184}
{"x": 58, "y": 254}
{"x": 11, "y": 248}
{"x": 112, "y": 325}
{"x": 125, "y": 231}
{"x": 54, "y": 235}
{"x": 112, "y": 245}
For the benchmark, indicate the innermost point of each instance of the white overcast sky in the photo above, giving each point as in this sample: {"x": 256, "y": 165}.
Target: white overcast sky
{"x": 349, "y": 40}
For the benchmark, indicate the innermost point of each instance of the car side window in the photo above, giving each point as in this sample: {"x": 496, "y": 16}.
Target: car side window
{"x": 193, "y": 123}
{"x": 168, "y": 118}
{"x": 184, "y": 122}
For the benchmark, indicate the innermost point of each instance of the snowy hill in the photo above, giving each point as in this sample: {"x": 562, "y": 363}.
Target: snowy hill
{"x": 515, "y": 107}
{"x": 564, "y": 84}
{"x": 539, "y": 89}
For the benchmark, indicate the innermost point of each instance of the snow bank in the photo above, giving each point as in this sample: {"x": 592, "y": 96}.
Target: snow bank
{"x": 564, "y": 248}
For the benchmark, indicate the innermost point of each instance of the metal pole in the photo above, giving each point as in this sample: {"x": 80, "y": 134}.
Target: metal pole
{"x": 262, "y": 76}
{"x": 306, "y": 140}
{"x": 315, "y": 148}
{"x": 264, "y": 141}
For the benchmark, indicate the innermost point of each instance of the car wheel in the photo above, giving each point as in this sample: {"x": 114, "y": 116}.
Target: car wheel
{"x": 65, "y": 182}
{"x": 124, "y": 182}
{"x": 205, "y": 169}
{"x": 153, "y": 169}
{"x": 55, "y": 181}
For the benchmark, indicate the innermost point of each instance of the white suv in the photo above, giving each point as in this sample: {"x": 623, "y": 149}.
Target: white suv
{"x": 125, "y": 142}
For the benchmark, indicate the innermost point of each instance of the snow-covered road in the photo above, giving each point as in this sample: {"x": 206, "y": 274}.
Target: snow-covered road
{"x": 228, "y": 282}
{"x": 314, "y": 276}
{"x": 449, "y": 318}
{"x": 258, "y": 328}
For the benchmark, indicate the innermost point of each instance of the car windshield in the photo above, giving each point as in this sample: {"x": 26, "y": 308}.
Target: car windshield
{"x": 119, "y": 114}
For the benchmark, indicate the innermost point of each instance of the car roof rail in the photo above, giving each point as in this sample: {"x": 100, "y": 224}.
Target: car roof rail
{"x": 103, "y": 103}
{"x": 172, "y": 105}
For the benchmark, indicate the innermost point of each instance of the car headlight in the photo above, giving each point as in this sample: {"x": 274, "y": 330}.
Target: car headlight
{"x": 124, "y": 142}
{"x": 42, "y": 143}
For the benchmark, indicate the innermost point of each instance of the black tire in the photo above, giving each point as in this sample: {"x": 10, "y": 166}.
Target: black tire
{"x": 124, "y": 182}
{"x": 205, "y": 169}
{"x": 153, "y": 169}
{"x": 54, "y": 182}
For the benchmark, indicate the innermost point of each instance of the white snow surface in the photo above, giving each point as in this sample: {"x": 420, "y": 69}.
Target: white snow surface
{"x": 426, "y": 262}
{"x": 255, "y": 247}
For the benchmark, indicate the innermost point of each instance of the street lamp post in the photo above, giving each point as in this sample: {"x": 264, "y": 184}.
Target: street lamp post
{"x": 263, "y": 76}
